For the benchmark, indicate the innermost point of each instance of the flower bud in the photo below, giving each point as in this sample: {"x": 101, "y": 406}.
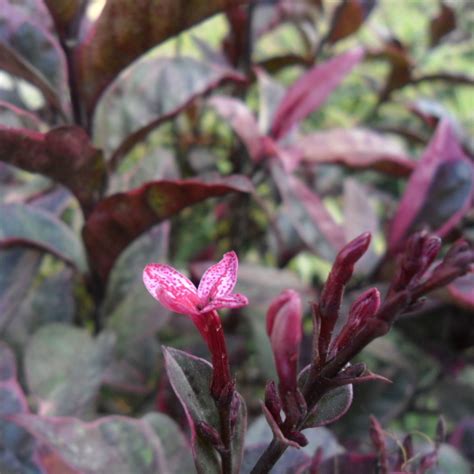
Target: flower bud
{"x": 210, "y": 434}
{"x": 273, "y": 401}
{"x": 285, "y": 333}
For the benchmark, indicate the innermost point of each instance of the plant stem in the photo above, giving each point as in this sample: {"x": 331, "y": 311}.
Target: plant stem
{"x": 226, "y": 436}
{"x": 269, "y": 457}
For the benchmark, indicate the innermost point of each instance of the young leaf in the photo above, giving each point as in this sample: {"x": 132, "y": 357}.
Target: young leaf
{"x": 27, "y": 225}
{"x": 439, "y": 191}
{"x": 64, "y": 154}
{"x": 332, "y": 406}
{"x": 356, "y": 148}
{"x": 311, "y": 90}
{"x": 119, "y": 219}
{"x": 132, "y": 31}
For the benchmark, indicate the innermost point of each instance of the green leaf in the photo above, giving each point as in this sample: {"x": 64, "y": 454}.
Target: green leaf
{"x": 64, "y": 367}
{"x": 113, "y": 444}
{"x": 190, "y": 378}
{"x": 24, "y": 224}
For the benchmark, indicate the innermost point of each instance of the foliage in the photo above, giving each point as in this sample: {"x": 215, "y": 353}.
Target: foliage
{"x": 326, "y": 145}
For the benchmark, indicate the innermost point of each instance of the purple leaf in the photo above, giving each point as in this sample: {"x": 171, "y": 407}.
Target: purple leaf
{"x": 190, "y": 378}
{"x": 123, "y": 27}
{"x": 113, "y": 444}
{"x": 311, "y": 90}
{"x": 64, "y": 154}
{"x": 357, "y": 148}
{"x": 308, "y": 214}
{"x": 439, "y": 192}
{"x": 119, "y": 219}
{"x": 27, "y": 225}
{"x": 137, "y": 105}
{"x": 242, "y": 121}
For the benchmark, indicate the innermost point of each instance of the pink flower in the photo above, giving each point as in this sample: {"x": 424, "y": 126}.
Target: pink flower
{"x": 177, "y": 293}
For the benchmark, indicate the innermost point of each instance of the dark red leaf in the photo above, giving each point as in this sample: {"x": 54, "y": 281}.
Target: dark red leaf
{"x": 64, "y": 154}
{"x": 356, "y": 148}
{"x": 439, "y": 191}
{"x": 348, "y": 18}
{"x": 119, "y": 219}
{"x": 64, "y": 13}
{"x": 311, "y": 90}
{"x": 125, "y": 30}
{"x": 442, "y": 24}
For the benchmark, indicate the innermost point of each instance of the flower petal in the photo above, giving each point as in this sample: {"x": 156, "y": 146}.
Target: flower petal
{"x": 229, "y": 301}
{"x": 219, "y": 279}
{"x": 171, "y": 288}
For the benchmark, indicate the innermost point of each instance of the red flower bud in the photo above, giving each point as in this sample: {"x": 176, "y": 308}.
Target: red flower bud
{"x": 363, "y": 309}
{"x": 285, "y": 333}
{"x": 331, "y": 295}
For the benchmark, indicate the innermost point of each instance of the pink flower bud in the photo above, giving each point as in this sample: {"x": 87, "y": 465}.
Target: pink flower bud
{"x": 285, "y": 333}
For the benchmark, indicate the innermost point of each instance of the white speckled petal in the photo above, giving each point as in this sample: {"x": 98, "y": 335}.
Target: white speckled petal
{"x": 171, "y": 288}
{"x": 219, "y": 279}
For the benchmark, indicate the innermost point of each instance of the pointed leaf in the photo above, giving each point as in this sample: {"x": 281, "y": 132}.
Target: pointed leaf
{"x": 270, "y": 93}
{"x": 311, "y": 90}
{"x": 308, "y": 214}
{"x": 64, "y": 14}
{"x": 132, "y": 31}
{"x": 190, "y": 378}
{"x": 27, "y": 225}
{"x": 442, "y": 24}
{"x": 348, "y": 18}
{"x": 111, "y": 444}
{"x": 439, "y": 191}
{"x": 64, "y": 367}
{"x": 242, "y": 121}
{"x": 135, "y": 104}
{"x": 119, "y": 219}
{"x": 357, "y": 148}
{"x": 29, "y": 51}
{"x": 64, "y": 154}
{"x": 332, "y": 406}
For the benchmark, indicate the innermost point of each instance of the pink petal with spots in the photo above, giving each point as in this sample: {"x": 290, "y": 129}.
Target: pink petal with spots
{"x": 171, "y": 288}
{"x": 230, "y": 301}
{"x": 219, "y": 280}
